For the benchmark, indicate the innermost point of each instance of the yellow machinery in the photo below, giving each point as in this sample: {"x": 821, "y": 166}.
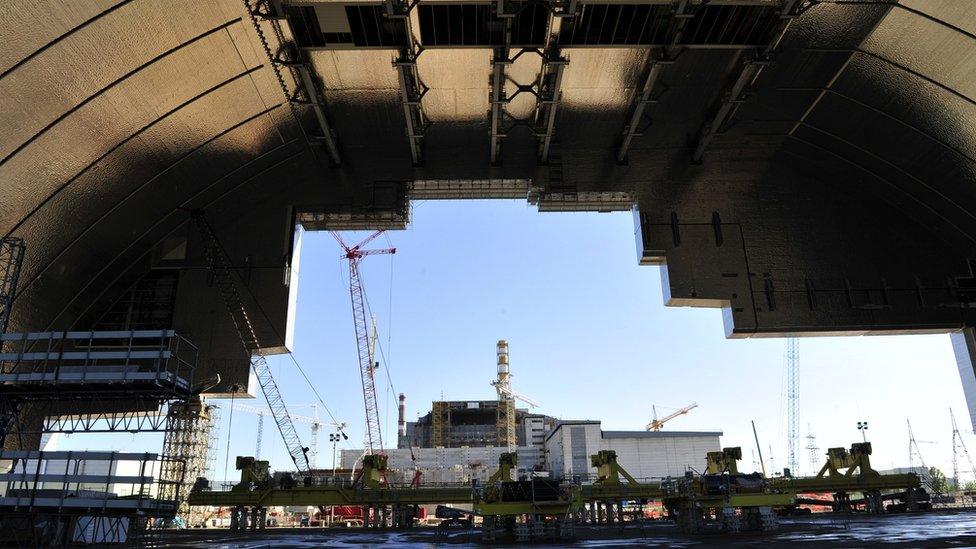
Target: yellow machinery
{"x": 847, "y": 471}
{"x": 726, "y": 461}
{"x": 542, "y": 508}
{"x": 723, "y": 498}
{"x": 857, "y": 459}
{"x": 525, "y": 509}
{"x": 373, "y": 473}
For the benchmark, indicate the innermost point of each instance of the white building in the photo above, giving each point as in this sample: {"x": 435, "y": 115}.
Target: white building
{"x": 643, "y": 454}
{"x": 564, "y": 451}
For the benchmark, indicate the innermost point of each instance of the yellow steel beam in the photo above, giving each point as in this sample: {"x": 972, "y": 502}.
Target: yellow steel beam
{"x": 857, "y": 483}
{"x": 330, "y": 495}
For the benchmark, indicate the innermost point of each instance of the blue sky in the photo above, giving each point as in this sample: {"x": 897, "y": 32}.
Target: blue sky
{"x": 590, "y": 339}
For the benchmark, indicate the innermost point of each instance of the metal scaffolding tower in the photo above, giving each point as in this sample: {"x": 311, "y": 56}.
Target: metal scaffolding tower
{"x": 11, "y": 258}
{"x": 793, "y": 402}
{"x": 188, "y": 442}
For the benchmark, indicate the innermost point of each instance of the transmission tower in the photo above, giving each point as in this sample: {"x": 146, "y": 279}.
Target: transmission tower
{"x": 813, "y": 451}
{"x": 793, "y": 402}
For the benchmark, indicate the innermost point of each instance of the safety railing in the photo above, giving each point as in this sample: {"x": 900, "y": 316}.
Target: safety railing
{"x": 41, "y": 363}
{"x": 66, "y": 482}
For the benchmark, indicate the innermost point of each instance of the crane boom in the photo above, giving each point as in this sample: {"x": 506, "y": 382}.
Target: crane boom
{"x": 656, "y": 424}
{"x": 367, "y": 364}
{"x": 219, "y": 264}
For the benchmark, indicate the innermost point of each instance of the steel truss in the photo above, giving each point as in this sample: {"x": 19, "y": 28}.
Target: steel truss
{"x": 655, "y": 66}
{"x": 289, "y": 55}
{"x": 11, "y": 259}
{"x": 222, "y": 269}
{"x": 748, "y": 73}
{"x": 546, "y": 89}
{"x": 412, "y": 88}
{"x": 60, "y": 498}
{"x": 188, "y": 442}
{"x": 108, "y": 381}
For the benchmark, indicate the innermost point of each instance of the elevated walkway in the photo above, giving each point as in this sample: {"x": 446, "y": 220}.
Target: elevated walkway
{"x": 49, "y": 365}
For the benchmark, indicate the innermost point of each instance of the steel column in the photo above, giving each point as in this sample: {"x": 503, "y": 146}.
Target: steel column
{"x": 750, "y": 71}
{"x": 302, "y": 70}
{"x": 498, "y": 99}
{"x": 679, "y": 20}
{"x": 550, "y": 82}
{"x": 412, "y": 89}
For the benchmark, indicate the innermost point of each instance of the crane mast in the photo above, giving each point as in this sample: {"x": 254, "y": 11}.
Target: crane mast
{"x": 219, "y": 264}
{"x": 364, "y": 345}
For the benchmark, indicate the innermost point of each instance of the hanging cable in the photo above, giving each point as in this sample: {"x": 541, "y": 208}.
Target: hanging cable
{"x": 274, "y": 329}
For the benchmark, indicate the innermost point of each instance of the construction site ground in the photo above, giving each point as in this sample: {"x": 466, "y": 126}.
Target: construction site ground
{"x": 929, "y": 529}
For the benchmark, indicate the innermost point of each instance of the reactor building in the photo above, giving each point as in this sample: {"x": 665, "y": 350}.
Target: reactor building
{"x": 458, "y": 441}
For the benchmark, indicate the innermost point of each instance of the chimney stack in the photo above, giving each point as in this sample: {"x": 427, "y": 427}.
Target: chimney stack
{"x": 402, "y": 424}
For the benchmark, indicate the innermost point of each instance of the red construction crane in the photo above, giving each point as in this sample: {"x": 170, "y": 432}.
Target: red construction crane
{"x": 367, "y": 364}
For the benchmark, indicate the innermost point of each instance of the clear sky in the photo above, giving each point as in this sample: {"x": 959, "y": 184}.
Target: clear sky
{"x": 590, "y": 338}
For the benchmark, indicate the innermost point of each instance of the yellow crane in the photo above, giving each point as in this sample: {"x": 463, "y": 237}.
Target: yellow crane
{"x": 656, "y": 424}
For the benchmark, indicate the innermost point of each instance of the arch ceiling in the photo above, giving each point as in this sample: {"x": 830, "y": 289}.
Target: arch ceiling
{"x": 809, "y": 166}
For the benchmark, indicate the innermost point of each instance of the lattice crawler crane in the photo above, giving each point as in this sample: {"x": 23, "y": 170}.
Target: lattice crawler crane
{"x": 364, "y": 347}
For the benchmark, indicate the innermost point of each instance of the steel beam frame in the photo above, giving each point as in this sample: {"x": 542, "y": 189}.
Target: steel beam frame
{"x": 412, "y": 88}
{"x": 289, "y": 55}
{"x": 655, "y": 65}
{"x": 499, "y": 61}
{"x": 549, "y": 85}
{"x": 11, "y": 259}
{"x": 748, "y": 73}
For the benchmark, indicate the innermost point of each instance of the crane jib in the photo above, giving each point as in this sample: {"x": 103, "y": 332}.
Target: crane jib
{"x": 222, "y": 272}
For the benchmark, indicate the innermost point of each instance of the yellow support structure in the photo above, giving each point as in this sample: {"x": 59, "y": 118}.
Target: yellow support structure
{"x": 857, "y": 459}
{"x": 725, "y": 461}
{"x": 438, "y": 417}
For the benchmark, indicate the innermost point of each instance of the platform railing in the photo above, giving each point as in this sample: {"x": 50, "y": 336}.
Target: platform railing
{"x": 69, "y": 482}
{"x": 42, "y": 362}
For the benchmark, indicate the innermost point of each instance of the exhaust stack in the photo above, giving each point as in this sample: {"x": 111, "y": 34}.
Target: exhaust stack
{"x": 402, "y": 423}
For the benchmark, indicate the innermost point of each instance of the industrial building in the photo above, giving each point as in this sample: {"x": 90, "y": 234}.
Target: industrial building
{"x": 454, "y": 424}
{"x": 457, "y": 441}
{"x": 804, "y": 166}
{"x": 645, "y": 454}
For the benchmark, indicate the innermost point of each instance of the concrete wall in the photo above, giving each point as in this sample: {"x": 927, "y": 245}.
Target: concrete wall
{"x": 642, "y": 454}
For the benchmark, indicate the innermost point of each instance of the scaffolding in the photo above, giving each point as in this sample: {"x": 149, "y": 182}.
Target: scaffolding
{"x": 73, "y": 382}
{"x": 505, "y": 423}
{"x": 188, "y": 442}
{"x": 440, "y": 416}
{"x": 92, "y": 382}
{"x": 60, "y": 498}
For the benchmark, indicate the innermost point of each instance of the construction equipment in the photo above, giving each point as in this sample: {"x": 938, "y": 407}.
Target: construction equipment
{"x": 367, "y": 364}
{"x": 725, "y": 461}
{"x": 546, "y": 506}
{"x": 723, "y": 498}
{"x": 656, "y": 424}
{"x": 315, "y": 422}
{"x": 857, "y": 459}
{"x": 222, "y": 270}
